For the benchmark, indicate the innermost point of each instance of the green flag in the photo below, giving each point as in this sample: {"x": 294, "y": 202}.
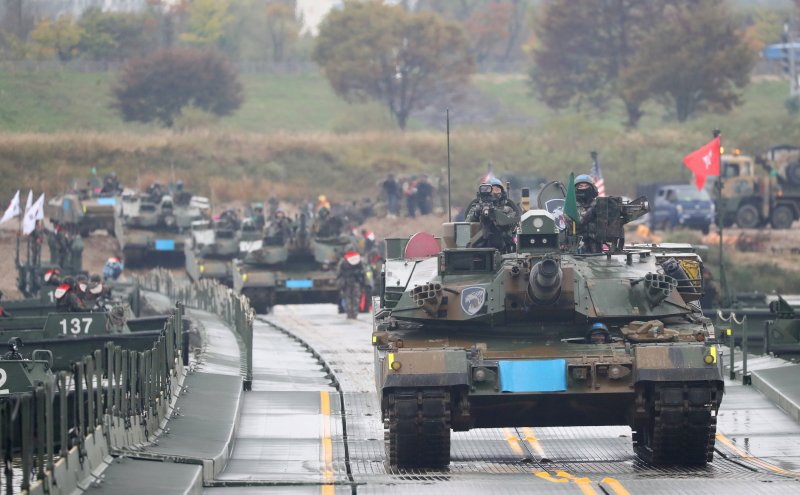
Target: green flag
{"x": 570, "y": 204}
{"x": 94, "y": 170}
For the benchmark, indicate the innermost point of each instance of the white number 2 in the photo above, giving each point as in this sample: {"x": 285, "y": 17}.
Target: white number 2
{"x": 74, "y": 326}
{"x": 3, "y": 379}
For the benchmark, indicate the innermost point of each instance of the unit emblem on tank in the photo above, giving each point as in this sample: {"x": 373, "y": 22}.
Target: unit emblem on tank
{"x": 473, "y": 299}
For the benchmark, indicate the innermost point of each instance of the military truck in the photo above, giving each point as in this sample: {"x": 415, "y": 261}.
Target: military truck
{"x": 296, "y": 268}
{"x": 468, "y": 338}
{"x": 152, "y": 230}
{"x": 754, "y": 196}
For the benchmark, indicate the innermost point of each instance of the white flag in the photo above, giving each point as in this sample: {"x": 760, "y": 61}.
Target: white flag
{"x": 40, "y": 209}
{"x": 12, "y": 210}
{"x": 29, "y": 203}
{"x": 29, "y": 220}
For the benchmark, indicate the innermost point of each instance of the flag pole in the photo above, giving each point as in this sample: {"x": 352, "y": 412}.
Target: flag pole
{"x": 725, "y": 301}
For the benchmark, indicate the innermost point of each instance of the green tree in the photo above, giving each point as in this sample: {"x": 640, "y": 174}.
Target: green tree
{"x": 56, "y": 38}
{"x": 159, "y": 86}
{"x": 582, "y": 48}
{"x": 375, "y": 51}
{"x": 697, "y": 59}
{"x": 115, "y": 35}
{"x": 207, "y": 22}
{"x": 283, "y": 28}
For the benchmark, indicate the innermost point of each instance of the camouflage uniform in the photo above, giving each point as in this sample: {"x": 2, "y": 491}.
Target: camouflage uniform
{"x": 351, "y": 281}
{"x": 501, "y": 227}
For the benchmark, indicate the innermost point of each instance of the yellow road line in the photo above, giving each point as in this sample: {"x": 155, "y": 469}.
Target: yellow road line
{"x": 616, "y": 486}
{"x": 327, "y": 444}
{"x": 549, "y": 477}
{"x": 753, "y": 459}
{"x": 513, "y": 441}
{"x": 533, "y": 442}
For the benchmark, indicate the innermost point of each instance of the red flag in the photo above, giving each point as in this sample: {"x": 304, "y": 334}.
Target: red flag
{"x": 704, "y": 162}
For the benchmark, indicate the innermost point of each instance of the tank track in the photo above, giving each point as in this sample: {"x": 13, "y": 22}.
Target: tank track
{"x": 676, "y": 422}
{"x": 417, "y": 428}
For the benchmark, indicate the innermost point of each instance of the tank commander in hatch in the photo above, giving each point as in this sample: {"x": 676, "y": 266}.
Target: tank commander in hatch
{"x": 497, "y": 215}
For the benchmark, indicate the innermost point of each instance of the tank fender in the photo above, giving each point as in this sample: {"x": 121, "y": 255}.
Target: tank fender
{"x": 676, "y": 362}
{"x": 424, "y": 368}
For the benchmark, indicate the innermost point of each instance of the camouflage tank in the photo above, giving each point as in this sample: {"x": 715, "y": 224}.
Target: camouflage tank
{"x": 213, "y": 246}
{"x": 295, "y": 268}
{"x": 470, "y": 338}
{"x": 152, "y": 230}
{"x": 89, "y": 206}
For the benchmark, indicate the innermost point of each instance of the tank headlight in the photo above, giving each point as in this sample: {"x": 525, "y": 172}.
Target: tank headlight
{"x": 244, "y": 277}
{"x": 395, "y": 365}
{"x": 711, "y": 357}
{"x": 202, "y": 268}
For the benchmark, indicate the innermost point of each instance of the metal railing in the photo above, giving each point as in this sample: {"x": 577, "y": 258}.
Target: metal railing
{"x": 107, "y": 394}
{"x": 209, "y": 295}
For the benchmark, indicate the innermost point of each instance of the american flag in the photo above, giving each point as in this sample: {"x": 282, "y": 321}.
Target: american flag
{"x": 597, "y": 175}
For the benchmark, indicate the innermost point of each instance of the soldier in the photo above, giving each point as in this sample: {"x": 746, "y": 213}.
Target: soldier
{"x": 497, "y": 214}
{"x": 351, "y": 281}
{"x": 112, "y": 269}
{"x": 585, "y": 193}
{"x": 67, "y": 300}
{"x": 52, "y": 277}
{"x": 279, "y": 229}
{"x": 258, "y": 216}
{"x": 585, "y": 197}
{"x": 13, "y": 354}
{"x": 327, "y": 225}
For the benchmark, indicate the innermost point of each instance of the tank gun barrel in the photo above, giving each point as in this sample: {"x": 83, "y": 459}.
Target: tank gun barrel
{"x": 428, "y": 297}
{"x": 544, "y": 281}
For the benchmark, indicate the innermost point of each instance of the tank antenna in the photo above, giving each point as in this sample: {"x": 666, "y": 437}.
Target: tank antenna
{"x": 720, "y": 221}
{"x": 449, "y": 208}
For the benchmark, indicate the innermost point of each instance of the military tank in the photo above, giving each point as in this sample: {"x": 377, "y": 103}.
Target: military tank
{"x": 294, "y": 267}
{"x": 213, "y": 245}
{"x": 88, "y": 206}
{"x": 151, "y": 230}
{"x": 549, "y": 335}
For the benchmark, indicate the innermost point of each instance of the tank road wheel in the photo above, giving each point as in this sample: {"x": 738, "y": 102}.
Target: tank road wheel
{"x": 782, "y": 217}
{"x": 676, "y": 422}
{"x": 747, "y": 217}
{"x": 417, "y": 429}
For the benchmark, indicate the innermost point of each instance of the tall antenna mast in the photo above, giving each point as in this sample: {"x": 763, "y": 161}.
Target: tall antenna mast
{"x": 449, "y": 208}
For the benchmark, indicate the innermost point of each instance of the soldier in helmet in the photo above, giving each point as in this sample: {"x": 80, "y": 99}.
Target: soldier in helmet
{"x": 497, "y": 214}
{"x": 585, "y": 193}
{"x": 67, "y": 300}
{"x": 351, "y": 280}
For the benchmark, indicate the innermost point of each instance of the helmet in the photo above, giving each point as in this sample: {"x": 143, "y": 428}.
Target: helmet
{"x": 495, "y": 182}
{"x": 598, "y": 334}
{"x": 585, "y": 190}
{"x": 323, "y": 212}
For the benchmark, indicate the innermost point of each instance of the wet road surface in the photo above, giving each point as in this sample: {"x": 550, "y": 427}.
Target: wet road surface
{"x": 312, "y": 425}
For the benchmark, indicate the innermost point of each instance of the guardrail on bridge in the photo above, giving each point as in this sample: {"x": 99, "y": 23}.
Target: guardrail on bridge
{"x": 209, "y": 295}
{"x": 60, "y": 431}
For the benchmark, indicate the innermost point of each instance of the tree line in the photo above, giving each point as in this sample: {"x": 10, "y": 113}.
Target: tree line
{"x": 688, "y": 56}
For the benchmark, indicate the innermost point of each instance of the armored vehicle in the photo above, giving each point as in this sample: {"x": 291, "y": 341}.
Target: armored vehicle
{"x": 214, "y": 244}
{"x": 547, "y": 335}
{"x": 292, "y": 267}
{"x": 88, "y": 206}
{"x": 782, "y": 333}
{"x": 151, "y": 230}
{"x": 753, "y": 196}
